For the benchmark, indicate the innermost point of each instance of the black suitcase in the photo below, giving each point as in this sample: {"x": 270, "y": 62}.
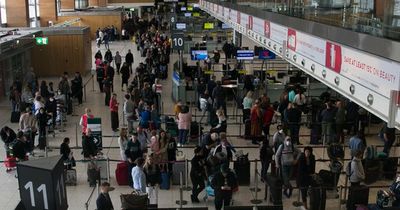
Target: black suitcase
{"x": 373, "y": 170}
{"x": 315, "y": 135}
{"x": 357, "y": 195}
{"x": 194, "y": 129}
{"x": 242, "y": 170}
{"x": 247, "y": 129}
{"x": 329, "y": 179}
{"x": 389, "y": 166}
{"x": 42, "y": 142}
{"x": 274, "y": 183}
{"x": 317, "y": 194}
{"x": 69, "y": 107}
{"x": 15, "y": 116}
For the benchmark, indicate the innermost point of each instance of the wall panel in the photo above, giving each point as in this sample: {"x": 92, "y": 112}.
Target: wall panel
{"x": 95, "y": 22}
{"x": 17, "y": 13}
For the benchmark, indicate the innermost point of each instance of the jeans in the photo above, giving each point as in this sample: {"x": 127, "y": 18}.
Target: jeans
{"x": 388, "y": 146}
{"x": 222, "y": 199}
{"x": 327, "y": 132}
{"x": 286, "y": 174}
{"x": 264, "y": 168}
{"x": 198, "y": 185}
{"x": 294, "y": 132}
{"x": 183, "y": 135}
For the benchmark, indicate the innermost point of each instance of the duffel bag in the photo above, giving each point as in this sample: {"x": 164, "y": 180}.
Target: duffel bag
{"x": 134, "y": 200}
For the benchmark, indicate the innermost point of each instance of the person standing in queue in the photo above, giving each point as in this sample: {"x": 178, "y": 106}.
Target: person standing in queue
{"x": 306, "y": 168}
{"x": 104, "y": 202}
{"x": 132, "y": 153}
{"x": 197, "y": 173}
{"x": 223, "y": 183}
{"x": 138, "y": 176}
{"x": 114, "y": 112}
{"x": 129, "y": 60}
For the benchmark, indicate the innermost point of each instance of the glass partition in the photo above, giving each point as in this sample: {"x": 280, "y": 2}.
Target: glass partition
{"x": 374, "y": 17}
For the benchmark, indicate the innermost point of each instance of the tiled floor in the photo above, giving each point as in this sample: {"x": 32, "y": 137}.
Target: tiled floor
{"x": 78, "y": 195}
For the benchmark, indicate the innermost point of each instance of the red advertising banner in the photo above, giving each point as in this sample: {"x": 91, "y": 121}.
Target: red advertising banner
{"x": 333, "y": 58}
{"x": 238, "y": 18}
{"x": 267, "y": 29}
{"x": 291, "y": 43}
{"x": 250, "y": 24}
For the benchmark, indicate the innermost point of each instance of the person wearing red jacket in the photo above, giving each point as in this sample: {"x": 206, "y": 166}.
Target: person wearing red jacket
{"x": 268, "y": 114}
{"x": 114, "y": 112}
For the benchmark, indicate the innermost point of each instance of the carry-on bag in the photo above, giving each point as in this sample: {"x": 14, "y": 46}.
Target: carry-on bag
{"x": 70, "y": 177}
{"x": 122, "y": 173}
{"x": 242, "y": 170}
{"x": 177, "y": 168}
{"x": 317, "y": 193}
{"x": 358, "y": 195}
{"x": 274, "y": 183}
{"x": 165, "y": 181}
{"x": 134, "y": 200}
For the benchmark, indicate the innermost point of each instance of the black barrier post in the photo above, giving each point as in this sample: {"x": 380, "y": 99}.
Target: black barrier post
{"x": 181, "y": 202}
{"x": 186, "y": 188}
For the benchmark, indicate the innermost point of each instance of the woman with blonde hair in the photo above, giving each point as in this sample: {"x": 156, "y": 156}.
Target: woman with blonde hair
{"x": 153, "y": 178}
{"x": 221, "y": 127}
{"x": 247, "y": 104}
{"x": 123, "y": 143}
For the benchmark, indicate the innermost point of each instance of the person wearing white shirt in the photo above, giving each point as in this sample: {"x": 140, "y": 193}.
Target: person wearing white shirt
{"x": 138, "y": 176}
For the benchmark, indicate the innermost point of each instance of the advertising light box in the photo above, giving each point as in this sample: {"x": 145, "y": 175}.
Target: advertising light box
{"x": 208, "y": 25}
{"x": 245, "y": 55}
{"x": 197, "y": 55}
{"x": 181, "y": 26}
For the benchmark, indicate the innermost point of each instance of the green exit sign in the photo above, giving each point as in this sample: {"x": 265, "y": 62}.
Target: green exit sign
{"x": 42, "y": 40}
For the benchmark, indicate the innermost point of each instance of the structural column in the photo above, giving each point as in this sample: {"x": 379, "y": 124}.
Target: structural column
{"x": 97, "y": 3}
{"x": 67, "y": 4}
{"x": 17, "y": 13}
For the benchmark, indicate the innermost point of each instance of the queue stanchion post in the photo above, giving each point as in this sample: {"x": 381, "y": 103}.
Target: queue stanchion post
{"x": 346, "y": 182}
{"x": 256, "y": 200}
{"x": 92, "y": 84}
{"x": 76, "y": 134}
{"x": 340, "y": 197}
{"x": 181, "y": 202}
{"x": 186, "y": 187}
{"x": 255, "y": 188}
{"x": 108, "y": 169}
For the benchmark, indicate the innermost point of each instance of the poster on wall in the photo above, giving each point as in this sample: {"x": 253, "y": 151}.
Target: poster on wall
{"x": 244, "y": 19}
{"x": 226, "y": 13}
{"x": 267, "y": 29}
{"x": 308, "y": 46}
{"x": 233, "y": 15}
{"x": 333, "y": 57}
{"x": 258, "y": 25}
{"x": 291, "y": 43}
{"x": 250, "y": 23}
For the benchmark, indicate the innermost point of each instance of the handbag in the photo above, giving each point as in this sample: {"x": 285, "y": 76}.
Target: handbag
{"x": 134, "y": 200}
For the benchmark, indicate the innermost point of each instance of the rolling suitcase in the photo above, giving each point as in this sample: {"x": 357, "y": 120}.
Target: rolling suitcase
{"x": 70, "y": 177}
{"x": 317, "y": 194}
{"x": 242, "y": 170}
{"x": 389, "y": 167}
{"x": 165, "y": 181}
{"x": 247, "y": 129}
{"x": 274, "y": 183}
{"x": 102, "y": 165}
{"x": 15, "y": 116}
{"x": 42, "y": 142}
{"x": 357, "y": 195}
{"x": 122, "y": 173}
{"x": 373, "y": 170}
{"x": 329, "y": 179}
{"x": 177, "y": 168}
{"x": 10, "y": 162}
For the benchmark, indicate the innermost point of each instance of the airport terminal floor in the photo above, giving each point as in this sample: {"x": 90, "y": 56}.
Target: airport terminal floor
{"x": 78, "y": 195}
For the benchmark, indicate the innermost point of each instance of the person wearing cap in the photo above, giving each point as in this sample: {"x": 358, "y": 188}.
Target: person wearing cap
{"x": 223, "y": 183}
{"x": 197, "y": 173}
{"x": 104, "y": 202}
{"x": 285, "y": 159}
{"x": 138, "y": 176}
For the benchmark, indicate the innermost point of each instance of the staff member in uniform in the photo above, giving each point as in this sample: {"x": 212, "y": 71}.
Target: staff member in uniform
{"x": 197, "y": 173}
{"x": 223, "y": 184}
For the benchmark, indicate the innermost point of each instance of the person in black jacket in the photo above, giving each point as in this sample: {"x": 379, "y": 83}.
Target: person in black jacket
{"x": 129, "y": 60}
{"x": 266, "y": 154}
{"x": 293, "y": 119}
{"x": 104, "y": 202}
{"x": 98, "y": 55}
{"x": 76, "y": 87}
{"x": 51, "y": 108}
{"x": 124, "y": 75}
{"x": 223, "y": 183}
{"x": 66, "y": 153}
{"x": 197, "y": 173}
{"x": 306, "y": 168}
{"x": 89, "y": 147}
{"x": 42, "y": 117}
{"x": 20, "y": 147}
{"x": 153, "y": 179}
{"x": 7, "y": 136}
{"x": 108, "y": 56}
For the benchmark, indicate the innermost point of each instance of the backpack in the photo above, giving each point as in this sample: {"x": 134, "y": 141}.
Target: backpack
{"x": 335, "y": 151}
{"x": 287, "y": 154}
{"x": 348, "y": 169}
